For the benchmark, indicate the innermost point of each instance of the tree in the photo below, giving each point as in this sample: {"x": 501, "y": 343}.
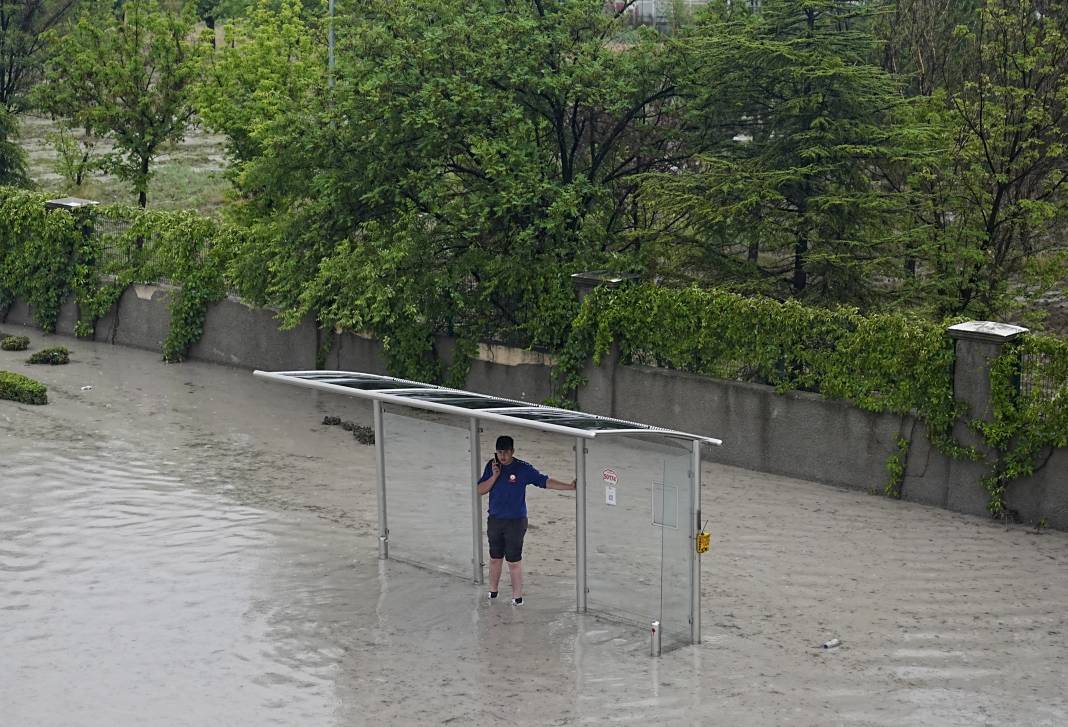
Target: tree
{"x": 12, "y": 157}
{"x": 469, "y": 157}
{"x": 920, "y": 43}
{"x": 128, "y": 78}
{"x": 802, "y": 123}
{"x": 24, "y": 27}
{"x": 24, "y": 43}
{"x": 272, "y": 68}
{"x": 994, "y": 204}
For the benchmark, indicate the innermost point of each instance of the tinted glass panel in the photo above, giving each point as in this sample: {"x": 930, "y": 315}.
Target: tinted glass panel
{"x": 361, "y": 381}
{"x": 456, "y": 398}
{"x": 321, "y": 377}
{"x": 638, "y": 500}
{"x": 570, "y": 419}
{"x": 429, "y": 489}
{"x": 372, "y": 385}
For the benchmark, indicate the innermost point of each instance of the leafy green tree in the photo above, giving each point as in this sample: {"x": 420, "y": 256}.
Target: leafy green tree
{"x": 469, "y": 157}
{"x": 802, "y": 124}
{"x": 920, "y": 44}
{"x": 129, "y": 78}
{"x": 24, "y": 43}
{"x": 74, "y": 154}
{"x": 12, "y": 157}
{"x": 272, "y": 68}
{"x": 995, "y": 202}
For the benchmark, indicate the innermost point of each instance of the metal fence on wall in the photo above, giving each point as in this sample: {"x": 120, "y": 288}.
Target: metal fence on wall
{"x": 117, "y": 251}
{"x": 1037, "y": 379}
{"x": 122, "y": 249}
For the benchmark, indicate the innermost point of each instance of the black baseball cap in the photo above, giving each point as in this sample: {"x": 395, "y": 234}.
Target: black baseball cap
{"x": 504, "y": 442}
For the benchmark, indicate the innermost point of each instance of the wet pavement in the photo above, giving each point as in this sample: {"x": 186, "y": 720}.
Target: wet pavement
{"x": 185, "y": 545}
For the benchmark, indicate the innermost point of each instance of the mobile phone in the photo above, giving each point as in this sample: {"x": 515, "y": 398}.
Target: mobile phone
{"x": 496, "y": 459}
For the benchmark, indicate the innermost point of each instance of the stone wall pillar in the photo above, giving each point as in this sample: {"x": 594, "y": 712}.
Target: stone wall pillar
{"x": 976, "y": 344}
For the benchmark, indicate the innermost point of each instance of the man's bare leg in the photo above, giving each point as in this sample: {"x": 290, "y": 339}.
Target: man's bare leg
{"x": 515, "y": 570}
{"x": 495, "y": 574}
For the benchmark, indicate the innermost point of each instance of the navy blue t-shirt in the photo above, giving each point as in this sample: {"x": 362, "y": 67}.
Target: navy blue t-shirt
{"x": 508, "y": 496}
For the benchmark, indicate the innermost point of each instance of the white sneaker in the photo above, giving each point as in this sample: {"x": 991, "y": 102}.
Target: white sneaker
{"x": 492, "y": 595}
{"x": 517, "y": 601}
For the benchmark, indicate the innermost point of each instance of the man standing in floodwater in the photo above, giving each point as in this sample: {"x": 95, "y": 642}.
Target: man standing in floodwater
{"x": 505, "y": 479}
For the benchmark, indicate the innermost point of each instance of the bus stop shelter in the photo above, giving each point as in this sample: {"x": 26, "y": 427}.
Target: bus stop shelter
{"x": 637, "y": 504}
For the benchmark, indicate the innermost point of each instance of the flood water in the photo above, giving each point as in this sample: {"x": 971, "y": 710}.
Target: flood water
{"x": 137, "y": 594}
{"x": 185, "y": 545}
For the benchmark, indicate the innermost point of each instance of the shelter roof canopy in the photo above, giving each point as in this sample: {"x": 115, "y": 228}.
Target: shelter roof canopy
{"x": 466, "y": 403}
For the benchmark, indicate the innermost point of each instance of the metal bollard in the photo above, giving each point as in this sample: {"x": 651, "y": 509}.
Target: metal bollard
{"x": 654, "y": 639}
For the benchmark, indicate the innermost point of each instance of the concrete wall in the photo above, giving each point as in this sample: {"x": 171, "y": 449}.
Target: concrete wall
{"x": 511, "y": 372}
{"x": 795, "y": 434}
{"x": 237, "y": 335}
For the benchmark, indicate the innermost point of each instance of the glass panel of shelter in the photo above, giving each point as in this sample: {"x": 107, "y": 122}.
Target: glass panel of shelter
{"x": 360, "y": 381}
{"x": 638, "y": 521}
{"x": 370, "y": 385}
{"x": 460, "y": 399}
{"x": 428, "y": 489}
{"x": 677, "y": 544}
{"x": 574, "y": 420}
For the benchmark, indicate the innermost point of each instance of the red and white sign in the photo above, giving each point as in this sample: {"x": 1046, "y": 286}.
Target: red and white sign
{"x": 610, "y": 477}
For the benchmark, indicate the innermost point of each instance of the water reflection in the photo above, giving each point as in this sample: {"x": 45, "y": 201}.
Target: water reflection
{"x": 126, "y": 592}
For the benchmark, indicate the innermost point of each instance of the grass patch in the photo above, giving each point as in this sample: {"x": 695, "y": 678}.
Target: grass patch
{"x": 15, "y": 343}
{"x": 187, "y": 175}
{"x": 55, "y": 356}
{"x": 22, "y": 389}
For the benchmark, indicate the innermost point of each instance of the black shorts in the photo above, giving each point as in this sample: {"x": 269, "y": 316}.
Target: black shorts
{"x": 506, "y": 538}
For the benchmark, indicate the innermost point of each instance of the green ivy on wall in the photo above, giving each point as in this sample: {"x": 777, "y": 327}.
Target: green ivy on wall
{"x": 1027, "y": 422}
{"x": 895, "y": 468}
{"x": 48, "y": 256}
{"x": 38, "y": 254}
{"x": 880, "y": 363}
{"x": 188, "y": 250}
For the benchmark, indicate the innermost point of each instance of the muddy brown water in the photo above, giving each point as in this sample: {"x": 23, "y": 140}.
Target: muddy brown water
{"x": 185, "y": 545}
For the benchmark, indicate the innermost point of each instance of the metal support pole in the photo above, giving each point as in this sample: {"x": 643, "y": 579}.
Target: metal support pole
{"x": 476, "y": 502}
{"x": 695, "y": 557}
{"x": 580, "y": 525}
{"x": 380, "y": 466}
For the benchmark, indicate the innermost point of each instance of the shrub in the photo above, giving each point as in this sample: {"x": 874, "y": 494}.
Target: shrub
{"x": 363, "y": 435}
{"x": 22, "y": 389}
{"x": 15, "y": 343}
{"x": 54, "y": 356}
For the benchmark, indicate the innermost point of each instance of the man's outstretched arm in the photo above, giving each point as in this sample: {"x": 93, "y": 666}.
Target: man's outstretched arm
{"x": 552, "y": 484}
